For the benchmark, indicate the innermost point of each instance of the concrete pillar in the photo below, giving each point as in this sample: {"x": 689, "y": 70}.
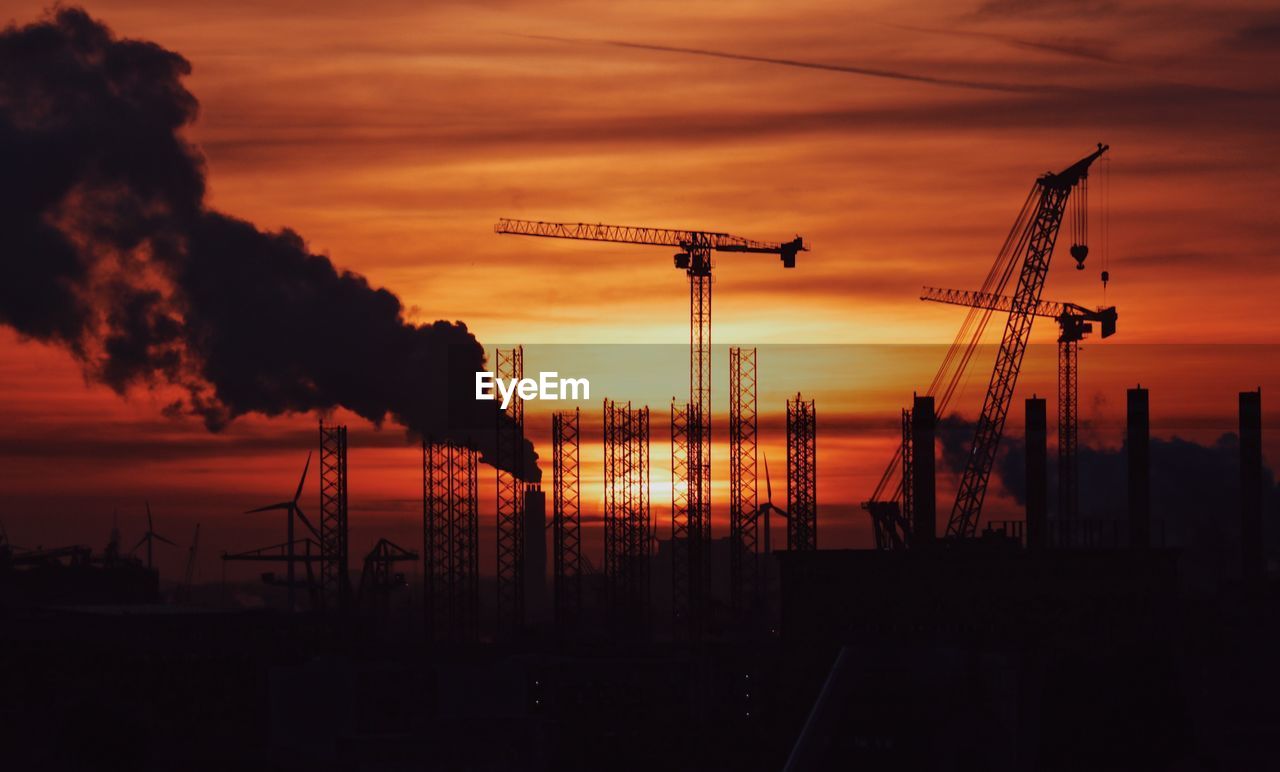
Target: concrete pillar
{"x": 1037, "y": 474}
{"x": 1139, "y": 448}
{"x": 1254, "y": 565}
{"x": 536, "y": 607}
{"x": 923, "y": 488}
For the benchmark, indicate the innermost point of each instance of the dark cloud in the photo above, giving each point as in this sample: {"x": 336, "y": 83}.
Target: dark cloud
{"x": 1261, "y": 34}
{"x": 107, "y": 248}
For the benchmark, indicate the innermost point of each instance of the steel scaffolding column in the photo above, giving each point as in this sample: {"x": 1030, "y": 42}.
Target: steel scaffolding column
{"x": 451, "y": 541}
{"x": 680, "y": 588}
{"x": 566, "y": 516}
{"x": 802, "y": 482}
{"x": 908, "y": 478}
{"x": 509, "y": 364}
{"x": 1068, "y": 431}
{"x": 744, "y": 564}
{"x": 627, "y": 524}
{"x": 699, "y": 431}
{"x": 335, "y": 580}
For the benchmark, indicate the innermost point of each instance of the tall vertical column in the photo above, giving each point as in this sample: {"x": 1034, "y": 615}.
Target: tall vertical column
{"x": 1139, "y": 449}
{"x": 699, "y": 432}
{"x": 802, "y": 480}
{"x": 1254, "y": 558}
{"x": 908, "y": 514}
{"x": 335, "y": 580}
{"x": 566, "y": 516}
{"x": 451, "y": 537}
{"x": 681, "y": 555}
{"x": 923, "y": 478}
{"x": 627, "y": 527}
{"x": 535, "y": 553}
{"x": 509, "y": 364}
{"x": 1068, "y": 430}
{"x": 1037, "y": 473}
{"x": 744, "y": 589}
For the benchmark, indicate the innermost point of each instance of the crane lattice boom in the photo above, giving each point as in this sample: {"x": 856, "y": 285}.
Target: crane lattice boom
{"x": 661, "y": 237}
{"x": 1036, "y": 243}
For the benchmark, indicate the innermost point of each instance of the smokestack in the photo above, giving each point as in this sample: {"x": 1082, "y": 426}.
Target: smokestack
{"x": 1254, "y": 565}
{"x": 111, "y": 250}
{"x": 1139, "y": 448}
{"x": 535, "y": 555}
{"x": 1037, "y": 473}
{"x": 923, "y": 491}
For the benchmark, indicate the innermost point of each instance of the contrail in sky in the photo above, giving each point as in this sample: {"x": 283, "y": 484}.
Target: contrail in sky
{"x": 871, "y": 72}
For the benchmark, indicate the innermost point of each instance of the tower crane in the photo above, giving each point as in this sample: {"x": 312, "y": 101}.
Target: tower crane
{"x": 694, "y": 258}
{"x": 1038, "y": 239}
{"x": 1027, "y": 251}
{"x": 1074, "y": 323}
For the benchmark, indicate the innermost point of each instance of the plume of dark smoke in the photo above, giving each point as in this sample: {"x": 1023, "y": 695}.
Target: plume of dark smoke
{"x": 107, "y": 249}
{"x": 1195, "y": 492}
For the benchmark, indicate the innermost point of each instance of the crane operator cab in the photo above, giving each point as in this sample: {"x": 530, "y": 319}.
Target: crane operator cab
{"x": 789, "y": 251}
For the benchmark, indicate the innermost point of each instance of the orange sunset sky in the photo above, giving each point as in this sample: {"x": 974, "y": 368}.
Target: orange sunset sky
{"x": 898, "y": 139}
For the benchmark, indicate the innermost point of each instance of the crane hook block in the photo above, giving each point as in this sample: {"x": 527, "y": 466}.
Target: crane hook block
{"x": 1106, "y": 277}
{"x": 1079, "y": 252}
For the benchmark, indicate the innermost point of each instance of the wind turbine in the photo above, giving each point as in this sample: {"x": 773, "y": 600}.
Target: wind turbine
{"x": 768, "y": 507}
{"x": 149, "y": 537}
{"x": 291, "y": 509}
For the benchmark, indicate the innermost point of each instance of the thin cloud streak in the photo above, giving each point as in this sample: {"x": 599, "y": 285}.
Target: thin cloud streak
{"x": 871, "y": 72}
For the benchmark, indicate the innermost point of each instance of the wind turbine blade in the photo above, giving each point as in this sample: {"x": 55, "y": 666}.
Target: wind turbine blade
{"x": 150, "y": 527}
{"x": 158, "y": 537}
{"x": 303, "y": 480}
{"x": 298, "y": 510}
{"x": 768, "y": 484}
{"x": 139, "y": 544}
{"x": 269, "y": 507}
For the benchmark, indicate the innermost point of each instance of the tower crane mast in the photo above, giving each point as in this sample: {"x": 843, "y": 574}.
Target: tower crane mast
{"x": 694, "y": 258}
{"x": 1074, "y": 323}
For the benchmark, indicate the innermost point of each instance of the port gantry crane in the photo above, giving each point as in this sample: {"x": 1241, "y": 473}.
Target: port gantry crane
{"x": 1074, "y": 323}
{"x": 694, "y": 258}
{"x": 1026, "y": 251}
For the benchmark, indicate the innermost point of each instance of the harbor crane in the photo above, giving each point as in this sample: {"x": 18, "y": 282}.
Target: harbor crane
{"x": 694, "y": 258}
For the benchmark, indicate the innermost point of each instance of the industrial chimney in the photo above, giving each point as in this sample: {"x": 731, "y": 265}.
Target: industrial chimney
{"x": 1037, "y": 473}
{"x": 1139, "y": 447}
{"x": 1254, "y": 565}
{"x": 922, "y": 476}
{"x": 535, "y": 555}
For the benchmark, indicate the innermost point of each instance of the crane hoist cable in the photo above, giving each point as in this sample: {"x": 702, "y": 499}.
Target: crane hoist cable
{"x": 969, "y": 336}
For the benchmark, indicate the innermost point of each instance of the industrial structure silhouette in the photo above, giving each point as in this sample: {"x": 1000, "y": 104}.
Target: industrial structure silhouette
{"x": 1058, "y": 641}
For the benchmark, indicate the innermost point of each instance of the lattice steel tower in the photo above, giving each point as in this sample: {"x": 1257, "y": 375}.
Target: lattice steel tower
{"x": 566, "y": 517}
{"x": 335, "y": 581}
{"x": 451, "y": 542}
{"x": 802, "y": 481}
{"x": 509, "y": 363}
{"x": 627, "y": 530}
{"x": 744, "y": 567}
